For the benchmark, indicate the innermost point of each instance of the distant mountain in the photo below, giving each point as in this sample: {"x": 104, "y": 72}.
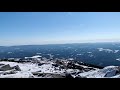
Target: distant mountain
{"x": 101, "y": 54}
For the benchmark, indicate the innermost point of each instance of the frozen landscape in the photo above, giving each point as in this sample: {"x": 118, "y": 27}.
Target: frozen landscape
{"x": 39, "y": 68}
{"x": 59, "y": 45}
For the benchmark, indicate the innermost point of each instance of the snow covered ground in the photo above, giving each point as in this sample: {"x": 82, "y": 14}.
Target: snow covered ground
{"x": 107, "y": 72}
{"x": 28, "y": 68}
{"x": 46, "y": 69}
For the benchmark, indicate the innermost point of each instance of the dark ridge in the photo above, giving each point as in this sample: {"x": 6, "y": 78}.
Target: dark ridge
{"x": 87, "y": 64}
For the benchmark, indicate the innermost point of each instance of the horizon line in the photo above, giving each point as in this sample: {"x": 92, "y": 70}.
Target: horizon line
{"x": 61, "y": 43}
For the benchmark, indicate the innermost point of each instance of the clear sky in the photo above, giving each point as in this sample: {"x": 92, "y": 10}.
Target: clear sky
{"x": 17, "y": 28}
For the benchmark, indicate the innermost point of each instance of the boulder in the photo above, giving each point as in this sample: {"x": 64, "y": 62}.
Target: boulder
{"x": 10, "y": 72}
{"x": 39, "y": 64}
{"x": 55, "y": 65}
{"x": 118, "y": 71}
{"x": 31, "y": 76}
{"x": 87, "y": 69}
{"x": 57, "y": 76}
{"x": 2, "y": 64}
{"x": 80, "y": 77}
{"x": 67, "y": 75}
{"x": 62, "y": 67}
{"x": 110, "y": 73}
{"x": 48, "y": 75}
{"x": 5, "y": 67}
{"x": 16, "y": 68}
{"x": 38, "y": 74}
{"x": 72, "y": 65}
{"x": 58, "y": 62}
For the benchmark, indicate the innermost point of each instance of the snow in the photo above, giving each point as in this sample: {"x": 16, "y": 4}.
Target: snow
{"x": 33, "y": 57}
{"x": 79, "y": 54}
{"x": 117, "y": 76}
{"x": 89, "y": 52}
{"x": 17, "y": 48}
{"x": 72, "y": 70}
{"x": 28, "y": 68}
{"x": 23, "y": 66}
{"x": 38, "y": 53}
{"x": 118, "y": 59}
{"x": 100, "y": 49}
{"x": 9, "y": 52}
{"x": 47, "y": 68}
{"x": 116, "y": 51}
{"x": 70, "y": 59}
{"x": 10, "y": 58}
{"x": 108, "y": 71}
{"x": 37, "y": 56}
{"x": 21, "y": 74}
{"x": 106, "y": 50}
{"x": 84, "y": 66}
{"x": 90, "y": 55}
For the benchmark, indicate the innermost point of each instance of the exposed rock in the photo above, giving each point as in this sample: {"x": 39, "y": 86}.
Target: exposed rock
{"x": 31, "y": 76}
{"x": 65, "y": 68}
{"x": 38, "y": 74}
{"x": 10, "y": 72}
{"x": 67, "y": 75}
{"x": 48, "y": 75}
{"x": 39, "y": 71}
{"x": 39, "y": 64}
{"x": 72, "y": 65}
{"x": 35, "y": 73}
{"x": 2, "y": 64}
{"x": 16, "y": 68}
{"x": 57, "y": 76}
{"x": 87, "y": 69}
{"x": 79, "y": 72}
{"x": 77, "y": 77}
{"x": 110, "y": 74}
{"x": 80, "y": 77}
{"x": 58, "y": 62}
{"x": 5, "y": 67}
{"x": 55, "y": 65}
{"x": 62, "y": 67}
{"x": 118, "y": 71}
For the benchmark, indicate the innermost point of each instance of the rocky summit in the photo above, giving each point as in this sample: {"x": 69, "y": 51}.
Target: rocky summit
{"x": 55, "y": 69}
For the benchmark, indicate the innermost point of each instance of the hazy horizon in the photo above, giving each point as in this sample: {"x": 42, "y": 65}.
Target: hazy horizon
{"x": 31, "y": 28}
{"x": 63, "y": 43}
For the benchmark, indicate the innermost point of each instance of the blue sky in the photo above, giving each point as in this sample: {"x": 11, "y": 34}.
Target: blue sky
{"x": 17, "y": 28}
